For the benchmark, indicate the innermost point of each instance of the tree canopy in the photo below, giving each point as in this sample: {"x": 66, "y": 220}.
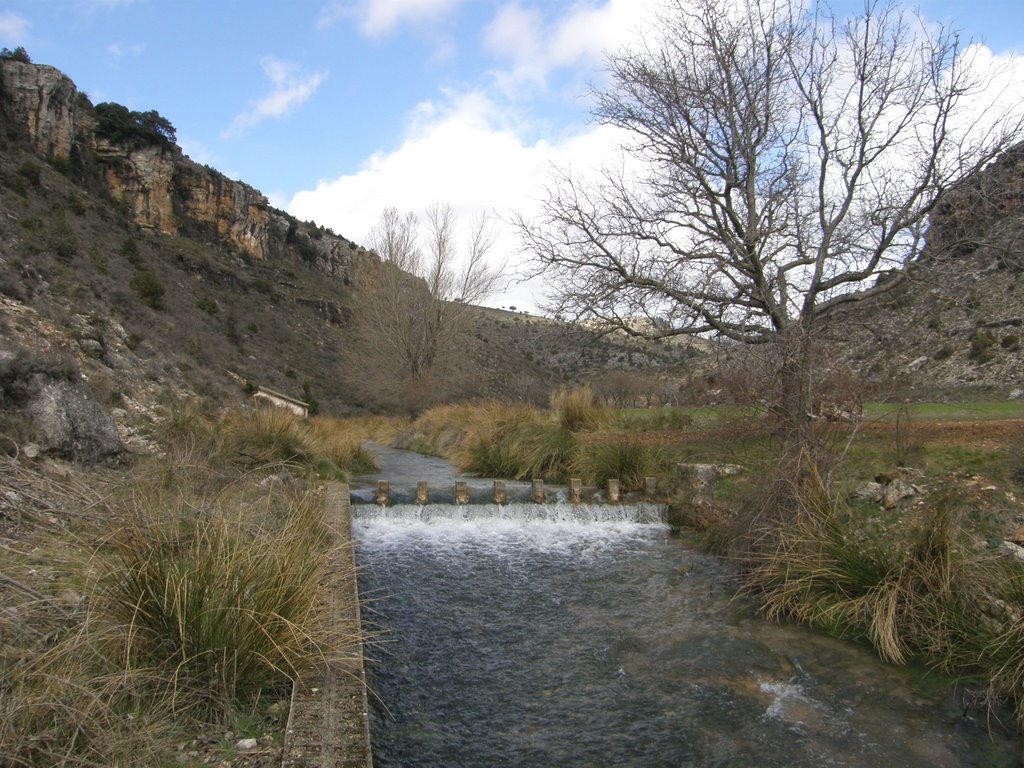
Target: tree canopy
{"x": 781, "y": 162}
{"x": 134, "y": 129}
{"x": 18, "y": 54}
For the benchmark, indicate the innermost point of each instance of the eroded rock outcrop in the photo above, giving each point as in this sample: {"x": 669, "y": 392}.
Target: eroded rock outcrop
{"x": 161, "y": 188}
{"x": 46, "y": 105}
{"x": 71, "y": 423}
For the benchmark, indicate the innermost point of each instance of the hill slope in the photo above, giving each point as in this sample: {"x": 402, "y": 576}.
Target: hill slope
{"x": 160, "y": 276}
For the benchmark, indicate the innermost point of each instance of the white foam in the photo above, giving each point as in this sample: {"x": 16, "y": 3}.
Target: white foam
{"x": 499, "y": 530}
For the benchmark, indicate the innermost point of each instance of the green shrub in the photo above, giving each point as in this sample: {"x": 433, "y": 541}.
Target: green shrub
{"x": 1010, "y": 342}
{"x": 944, "y": 352}
{"x": 149, "y": 288}
{"x": 628, "y": 460}
{"x": 981, "y": 347}
{"x": 31, "y": 172}
{"x": 526, "y": 449}
{"x": 18, "y": 54}
{"x": 130, "y": 251}
{"x": 207, "y": 305}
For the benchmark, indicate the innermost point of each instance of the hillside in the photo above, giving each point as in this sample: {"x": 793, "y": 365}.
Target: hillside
{"x": 158, "y": 276}
{"x": 955, "y": 328}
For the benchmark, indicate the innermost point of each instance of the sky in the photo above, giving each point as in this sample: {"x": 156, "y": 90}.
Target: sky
{"x": 336, "y": 109}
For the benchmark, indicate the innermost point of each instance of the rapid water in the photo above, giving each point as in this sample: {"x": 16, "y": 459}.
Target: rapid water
{"x": 557, "y": 639}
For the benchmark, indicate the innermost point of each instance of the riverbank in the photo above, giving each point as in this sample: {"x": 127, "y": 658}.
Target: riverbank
{"x": 156, "y": 612}
{"x": 900, "y": 533}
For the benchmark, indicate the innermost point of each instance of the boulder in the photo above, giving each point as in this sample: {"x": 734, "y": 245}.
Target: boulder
{"x": 1013, "y": 549}
{"x": 71, "y": 423}
{"x": 873, "y": 492}
{"x": 895, "y": 491}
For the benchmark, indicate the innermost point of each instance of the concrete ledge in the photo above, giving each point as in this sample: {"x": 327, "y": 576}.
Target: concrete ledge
{"x": 328, "y": 726}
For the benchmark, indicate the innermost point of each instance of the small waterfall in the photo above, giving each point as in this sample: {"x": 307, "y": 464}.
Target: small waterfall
{"x": 641, "y": 513}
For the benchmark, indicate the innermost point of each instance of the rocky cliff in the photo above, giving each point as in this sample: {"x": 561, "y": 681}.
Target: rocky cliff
{"x": 161, "y": 188}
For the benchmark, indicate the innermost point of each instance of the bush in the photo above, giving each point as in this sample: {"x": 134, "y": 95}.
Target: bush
{"x": 578, "y": 409}
{"x": 523, "y": 450}
{"x": 196, "y": 592}
{"x": 628, "y": 460}
{"x": 18, "y": 54}
{"x": 31, "y": 172}
{"x": 981, "y": 347}
{"x": 130, "y": 251}
{"x": 149, "y": 288}
{"x": 17, "y": 373}
{"x": 220, "y": 608}
{"x": 343, "y": 447}
{"x": 207, "y": 305}
{"x": 268, "y": 436}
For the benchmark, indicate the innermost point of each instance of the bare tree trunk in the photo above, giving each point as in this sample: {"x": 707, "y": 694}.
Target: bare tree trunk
{"x": 795, "y": 376}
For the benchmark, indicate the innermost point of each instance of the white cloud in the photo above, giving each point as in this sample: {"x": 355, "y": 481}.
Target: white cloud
{"x": 534, "y": 45}
{"x": 119, "y": 50}
{"x": 289, "y": 89}
{"x": 13, "y": 28}
{"x": 379, "y": 17}
{"x": 463, "y": 151}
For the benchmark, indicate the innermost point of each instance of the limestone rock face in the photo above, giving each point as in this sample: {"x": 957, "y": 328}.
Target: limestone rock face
{"x": 47, "y": 104}
{"x": 162, "y": 189}
{"x": 141, "y": 179}
{"x": 236, "y": 211}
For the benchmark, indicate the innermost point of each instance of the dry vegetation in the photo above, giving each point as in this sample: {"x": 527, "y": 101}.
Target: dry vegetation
{"x": 148, "y": 612}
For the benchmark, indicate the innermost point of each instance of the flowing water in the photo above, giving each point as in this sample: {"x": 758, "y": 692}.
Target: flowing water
{"x": 575, "y": 635}
{"x": 561, "y": 636}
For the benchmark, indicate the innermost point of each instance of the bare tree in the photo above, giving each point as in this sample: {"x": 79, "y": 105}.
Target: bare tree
{"x": 788, "y": 161}
{"x": 413, "y": 303}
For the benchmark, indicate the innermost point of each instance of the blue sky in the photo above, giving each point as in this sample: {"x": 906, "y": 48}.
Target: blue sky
{"x": 337, "y": 108}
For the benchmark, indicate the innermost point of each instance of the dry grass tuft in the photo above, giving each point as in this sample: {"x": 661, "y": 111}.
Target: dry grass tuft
{"x": 139, "y": 611}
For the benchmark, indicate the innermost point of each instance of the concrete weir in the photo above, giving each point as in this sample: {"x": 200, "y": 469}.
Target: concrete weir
{"x": 328, "y": 725}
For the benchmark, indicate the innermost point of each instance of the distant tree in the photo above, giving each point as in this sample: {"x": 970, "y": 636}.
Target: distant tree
{"x": 18, "y": 54}
{"x": 307, "y": 396}
{"x": 149, "y": 288}
{"x": 119, "y": 125}
{"x": 413, "y": 303}
{"x": 788, "y": 160}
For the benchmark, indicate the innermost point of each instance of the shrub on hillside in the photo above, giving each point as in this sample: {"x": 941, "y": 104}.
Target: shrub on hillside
{"x": 981, "y": 350}
{"x": 149, "y": 288}
{"x": 18, "y": 371}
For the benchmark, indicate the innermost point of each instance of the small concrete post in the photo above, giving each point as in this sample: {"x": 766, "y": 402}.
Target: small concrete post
{"x": 383, "y": 493}
{"x": 422, "y": 493}
{"x": 613, "y": 491}
{"x": 650, "y": 487}
{"x": 538, "y": 492}
{"x": 461, "y": 492}
{"x": 500, "y": 494}
{"x": 575, "y": 489}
